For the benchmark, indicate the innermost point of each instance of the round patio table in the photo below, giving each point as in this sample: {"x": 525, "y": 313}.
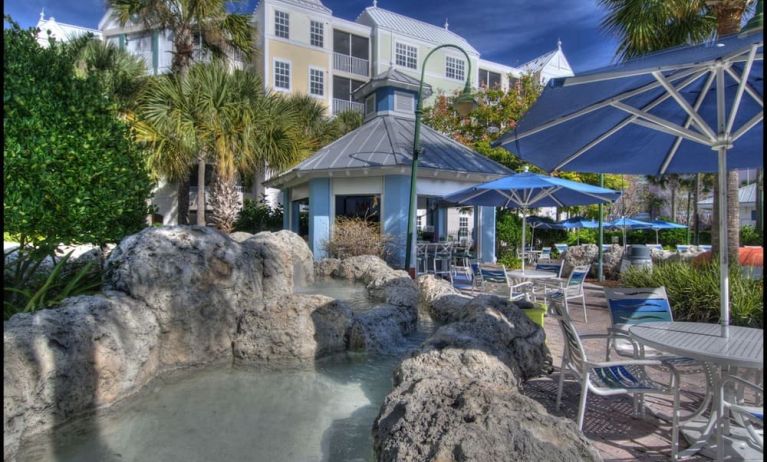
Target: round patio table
{"x": 703, "y": 341}
{"x": 531, "y": 274}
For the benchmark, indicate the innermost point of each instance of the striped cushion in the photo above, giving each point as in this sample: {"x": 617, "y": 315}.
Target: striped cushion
{"x": 493, "y": 275}
{"x": 620, "y": 377}
{"x": 639, "y": 310}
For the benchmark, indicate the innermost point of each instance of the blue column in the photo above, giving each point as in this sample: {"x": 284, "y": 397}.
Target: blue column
{"x": 286, "y": 208}
{"x": 487, "y": 228}
{"x": 441, "y": 225}
{"x": 396, "y": 201}
{"x": 319, "y": 215}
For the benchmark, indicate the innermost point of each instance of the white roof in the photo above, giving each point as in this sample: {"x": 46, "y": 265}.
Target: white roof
{"x": 62, "y": 31}
{"x": 414, "y": 28}
{"x": 552, "y": 64}
{"x": 746, "y": 195}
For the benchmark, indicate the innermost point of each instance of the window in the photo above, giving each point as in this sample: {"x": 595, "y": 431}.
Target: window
{"x": 454, "y": 68}
{"x": 403, "y": 102}
{"x": 343, "y": 88}
{"x": 365, "y": 207}
{"x": 753, "y": 215}
{"x": 281, "y": 24}
{"x": 407, "y": 56}
{"x": 317, "y": 34}
{"x": 463, "y": 226}
{"x": 282, "y": 75}
{"x": 370, "y": 104}
{"x": 316, "y": 82}
{"x": 489, "y": 79}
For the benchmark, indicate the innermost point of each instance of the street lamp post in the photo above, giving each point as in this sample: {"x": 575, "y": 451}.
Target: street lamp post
{"x": 463, "y": 104}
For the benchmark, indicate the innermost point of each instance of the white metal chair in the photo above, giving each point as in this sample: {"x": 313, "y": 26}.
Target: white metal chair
{"x": 545, "y": 254}
{"x": 517, "y": 291}
{"x": 540, "y": 285}
{"x": 561, "y": 248}
{"x": 654, "y": 246}
{"x": 607, "y": 378}
{"x": 569, "y": 289}
{"x": 747, "y": 415}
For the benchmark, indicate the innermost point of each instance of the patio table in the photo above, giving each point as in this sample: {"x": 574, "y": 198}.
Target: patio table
{"x": 703, "y": 341}
{"x": 531, "y": 274}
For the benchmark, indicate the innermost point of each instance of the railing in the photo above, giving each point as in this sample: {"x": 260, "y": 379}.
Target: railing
{"x": 350, "y": 64}
{"x": 341, "y": 105}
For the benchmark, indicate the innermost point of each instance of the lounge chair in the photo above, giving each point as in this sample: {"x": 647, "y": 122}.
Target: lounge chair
{"x": 682, "y": 248}
{"x": 607, "y": 378}
{"x": 545, "y": 254}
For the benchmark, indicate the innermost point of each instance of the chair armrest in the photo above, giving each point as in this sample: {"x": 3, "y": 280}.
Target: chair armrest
{"x": 593, "y": 336}
{"x": 733, "y": 378}
{"x": 631, "y": 362}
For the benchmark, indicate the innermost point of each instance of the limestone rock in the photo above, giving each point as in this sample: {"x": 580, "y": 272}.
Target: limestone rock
{"x": 382, "y": 329}
{"x": 89, "y": 352}
{"x": 240, "y": 236}
{"x": 300, "y": 254}
{"x": 327, "y": 267}
{"x": 362, "y": 268}
{"x": 294, "y": 328}
{"x": 442, "y": 301}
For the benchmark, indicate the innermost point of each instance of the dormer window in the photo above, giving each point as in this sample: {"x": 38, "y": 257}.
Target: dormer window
{"x": 454, "y": 68}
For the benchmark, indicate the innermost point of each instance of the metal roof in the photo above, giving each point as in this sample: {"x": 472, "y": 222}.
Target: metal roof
{"x": 392, "y": 78}
{"x": 415, "y": 28}
{"x": 746, "y": 195}
{"x": 387, "y": 141}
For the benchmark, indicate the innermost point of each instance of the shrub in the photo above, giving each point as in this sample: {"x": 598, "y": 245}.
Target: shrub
{"x": 750, "y": 236}
{"x": 584, "y": 236}
{"x": 355, "y": 236}
{"x": 508, "y": 229}
{"x": 72, "y": 173}
{"x": 510, "y": 261}
{"x": 257, "y": 216}
{"x": 694, "y": 291}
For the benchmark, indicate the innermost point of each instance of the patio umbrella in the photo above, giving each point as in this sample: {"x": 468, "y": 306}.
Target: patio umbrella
{"x": 687, "y": 109}
{"x": 578, "y": 223}
{"x": 625, "y": 223}
{"x": 657, "y": 225}
{"x": 536, "y": 222}
{"x": 529, "y": 190}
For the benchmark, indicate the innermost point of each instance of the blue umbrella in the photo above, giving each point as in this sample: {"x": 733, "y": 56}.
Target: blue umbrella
{"x": 687, "y": 109}
{"x": 657, "y": 225}
{"x": 530, "y": 190}
{"x": 578, "y": 223}
{"x": 625, "y": 223}
{"x": 539, "y": 222}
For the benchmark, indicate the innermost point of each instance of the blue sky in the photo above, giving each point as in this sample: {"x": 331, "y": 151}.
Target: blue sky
{"x": 508, "y": 31}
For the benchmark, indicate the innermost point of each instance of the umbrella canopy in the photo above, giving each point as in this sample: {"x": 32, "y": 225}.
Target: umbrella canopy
{"x": 578, "y": 223}
{"x": 540, "y": 223}
{"x": 625, "y": 223}
{"x": 530, "y": 190}
{"x": 687, "y": 109}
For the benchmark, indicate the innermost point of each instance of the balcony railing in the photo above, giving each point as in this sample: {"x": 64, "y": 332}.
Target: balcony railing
{"x": 341, "y": 105}
{"x": 346, "y": 63}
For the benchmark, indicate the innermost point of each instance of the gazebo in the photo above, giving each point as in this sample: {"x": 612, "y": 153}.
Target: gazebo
{"x": 367, "y": 172}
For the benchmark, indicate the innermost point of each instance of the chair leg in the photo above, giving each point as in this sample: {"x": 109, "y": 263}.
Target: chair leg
{"x": 561, "y": 384}
{"x": 583, "y": 299}
{"x": 582, "y": 404}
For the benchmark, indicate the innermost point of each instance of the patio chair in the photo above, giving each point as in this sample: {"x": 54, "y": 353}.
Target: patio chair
{"x": 561, "y": 248}
{"x": 607, "y": 378}
{"x": 442, "y": 257}
{"x": 654, "y": 246}
{"x": 545, "y": 254}
{"x": 517, "y": 290}
{"x": 422, "y": 257}
{"x": 572, "y": 288}
{"x": 540, "y": 285}
{"x": 628, "y": 306}
{"x": 747, "y": 415}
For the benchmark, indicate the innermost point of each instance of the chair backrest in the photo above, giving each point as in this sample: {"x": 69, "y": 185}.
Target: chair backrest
{"x": 476, "y": 271}
{"x": 654, "y": 246}
{"x": 682, "y": 248}
{"x": 545, "y": 253}
{"x": 576, "y": 279}
{"x": 551, "y": 267}
{"x": 631, "y": 305}
{"x": 574, "y": 350}
{"x": 561, "y": 248}
{"x": 705, "y": 247}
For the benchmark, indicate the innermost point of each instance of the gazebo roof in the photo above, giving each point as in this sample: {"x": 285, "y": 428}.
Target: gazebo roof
{"x": 385, "y": 143}
{"x": 392, "y": 78}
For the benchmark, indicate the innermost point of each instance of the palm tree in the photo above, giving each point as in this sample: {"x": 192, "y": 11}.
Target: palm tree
{"x": 644, "y": 26}
{"x": 207, "y": 21}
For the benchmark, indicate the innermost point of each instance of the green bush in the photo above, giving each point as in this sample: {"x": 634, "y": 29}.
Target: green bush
{"x": 72, "y": 173}
{"x": 750, "y": 236}
{"x": 510, "y": 261}
{"x": 693, "y": 291}
{"x": 508, "y": 229}
{"x": 258, "y": 216}
{"x": 584, "y": 236}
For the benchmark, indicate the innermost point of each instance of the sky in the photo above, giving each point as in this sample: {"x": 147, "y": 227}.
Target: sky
{"x": 509, "y": 32}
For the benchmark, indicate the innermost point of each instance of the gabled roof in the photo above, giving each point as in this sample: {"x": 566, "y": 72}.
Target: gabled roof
{"x": 746, "y": 195}
{"x": 315, "y": 5}
{"x": 387, "y": 141}
{"x": 413, "y": 28}
{"x": 392, "y": 78}
{"x": 555, "y": 61}
{"x": 63, "y": 31}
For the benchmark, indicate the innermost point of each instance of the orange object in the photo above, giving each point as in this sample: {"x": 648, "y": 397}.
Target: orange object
{"x": 747, "y": 256}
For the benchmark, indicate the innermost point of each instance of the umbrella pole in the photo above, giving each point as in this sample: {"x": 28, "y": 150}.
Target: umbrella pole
{"x": 656, "y": 237}
{"x": 524, "y": 222}
{"x": 724, "y": 273}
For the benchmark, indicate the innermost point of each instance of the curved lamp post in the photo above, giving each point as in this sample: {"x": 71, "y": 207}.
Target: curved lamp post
{"x": 463, "y": 104}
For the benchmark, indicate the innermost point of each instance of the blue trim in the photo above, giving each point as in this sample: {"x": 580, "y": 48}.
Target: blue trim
{"x": 319, "y": 215}
{"x": 155, "y": 51}
{"x": 396, "y": 194}
{"x": 286, "y": 215}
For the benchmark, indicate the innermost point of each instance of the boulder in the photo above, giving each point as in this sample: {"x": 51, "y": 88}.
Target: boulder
{"x": 87, "y": 353}
{"x": 197, "y": 282}
{"x": 294, "y": 328}
{"x": 327, "y": 267}
{"x": 441, "y": 300}
{"x": 362, "y": 268}
{"x": 457, "y": 397}
{"x": 394, "y": 287}
{"x": 240, "y": 236}
{"x": 382, "y": 329}
{"x": 301, "y": 256}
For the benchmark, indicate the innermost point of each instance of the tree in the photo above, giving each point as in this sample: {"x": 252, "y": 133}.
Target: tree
{"x": 644, "y": 26}
{"x": 72, "y": 173}
{"x": 208, "y": 22}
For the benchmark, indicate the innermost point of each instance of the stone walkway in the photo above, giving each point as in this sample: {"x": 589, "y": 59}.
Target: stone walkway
{"x": 609, "y": 423}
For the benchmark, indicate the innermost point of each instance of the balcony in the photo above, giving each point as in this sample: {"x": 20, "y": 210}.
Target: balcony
{"x": 350, "y": 64}
{"x": 341, "y": 105}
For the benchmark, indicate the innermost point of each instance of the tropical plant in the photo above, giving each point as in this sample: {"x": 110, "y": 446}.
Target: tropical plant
{"x": 693, "y": 291}
{"x": 508, "y": 229}
{"x": 195, "y": 25}
{"x": 225, "y": 203}
{"x": 750, "y": 236}
{"x": 644, "y": 26}
{"x": 354, "y": 236}
{"x": 257, "y": 216}
{"x": 71, "y": 172}
{"x": 510, "y": 261}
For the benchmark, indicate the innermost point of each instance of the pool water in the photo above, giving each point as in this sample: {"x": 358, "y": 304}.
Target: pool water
{"x": 220, "y": 413}
{"x": 353, "y": 293}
